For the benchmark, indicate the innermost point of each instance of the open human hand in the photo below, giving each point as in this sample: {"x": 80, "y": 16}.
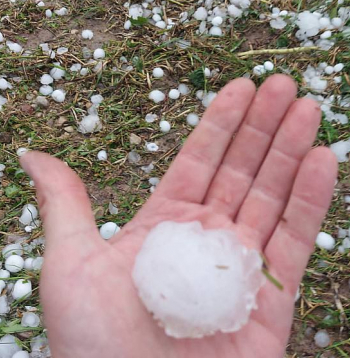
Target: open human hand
{"x": 247, "y": 167}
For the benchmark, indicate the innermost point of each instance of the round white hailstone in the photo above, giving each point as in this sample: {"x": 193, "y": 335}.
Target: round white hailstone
{"x": 113, "y": 210}
{"x": 28, "y": 264}
{"x": 150, "y": 117}
{"x": 324, "y": 22}
{"x": 197, "y": 282}
{"x": 48, "y": 13}
{"x": 14, "y": 47}
{"x": 341, "y": 149}
{"x": 234, "y": 11}
{"x": 157, "y": 96}
{"x": 268, "y": 65}
{"x": 164, "y": 126}
{"x": 12, "y": 249}
{"x": 99, "y": 54}
{"x": 87, "y": 34}
{"x": 46, "y": 79}
{"x": 259, "y": 70}
{"x": 325, "y": 241}
{"x": 158, "y": 72}
{"x": 4, "y": 85}
{"x": 57, "y": 73}
{"x": 40, "y": 4}
{"x": 154, "y": 181}
{"x": 215, "y": 31}
{"x": 329, "y": 70}
{"x": 1, "y": 37}
{"x": 127, "y": 25}
{"x": 217, "y": 21}
{"x": 347, "y": 201}
{"x": 322, "y": 339}
{"x": 29, "y": 214}
{"x": 22, "y": 151}
{"x": 96, "y": 99}
{"x": 208, "y": 98}
{"x": 62, "y": 50}
{"x": 135, "y": 11}
{"x": 157, "y": 10}
{"x": 84, "y": 71}
{"x": 183, "y": 89}
{"x": 8, "y": 346}
{"x": 22, "y": 288}
{"x": 108, "y": 229}
{"x": 207, "y": 72}
{"x": 337, "y": 79}
{"x": 174, "y": 94}
{"x": 4, "y": 274}
{"x": 317, "y": 84}
{"x": 200, "y": 95}
{"x": 75, "y": 67}
{"x": 192, "y": 119}
{"x": 156, "y": 18}
{"x": 102, "y": 155}
{"x": 283, "y": 13}
{"x": 21, "y": 354}
{"x": 152, "y": 147}
{"x": 201, "y": 14}
{"x": 326, "y": 35}
{"x": 58, "y": 96}
{"x": 337, "y": 22}
{"x": 2, "y": 167}
{"x": 37, "y": 263}
{"x": 338, "y": 67}
{"x": 30, "y": 319}
{"x": 90, "y": 124}
{"x": 62, "y": 11}
{"x": 14, "y": 263}
{"x": 45, "y": 90}
{"x": 161, "y": 24}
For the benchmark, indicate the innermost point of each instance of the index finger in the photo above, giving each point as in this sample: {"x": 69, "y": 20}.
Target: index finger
{"x": 190, "y": 175}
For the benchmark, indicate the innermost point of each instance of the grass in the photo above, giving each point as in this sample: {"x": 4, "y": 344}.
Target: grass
{"x": 323, "y": 290}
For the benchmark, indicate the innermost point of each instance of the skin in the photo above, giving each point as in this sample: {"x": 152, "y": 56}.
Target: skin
{"x": 267, "y": 184}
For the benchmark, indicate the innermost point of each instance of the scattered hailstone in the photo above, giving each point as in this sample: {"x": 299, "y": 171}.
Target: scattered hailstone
{"x": 21, "y": 289}
{"x": 48, "y": 13}
{"x": 183, "y": 89}
{"x": 325, "y": 241}
{"x": 90, "y": 124}
{"x": 14, "y": 47}
{"x": 87, "y": 34}
{"x": 148, "y": 168}
{"x": 208, "y": 98}
{"x": 135, "y": 11}
{"x": 158, "y": 72}
{"x": 102, "y": 155}
{"x": 259, "y": 70}
{"x": 75, "y": 67}
{"x": 108, "y": 229}
{"x": 197, "y": 282}
{"x": 164, "y": 126}
{"x": 338, "y": 67}
{"x": 84, "y": 71}
{"x": 45, "y": 90}
{"x": 127, "y": 25}
{"x": 99, "y": 54}
{"x": 12, "y": 249}
{"x": 30, "y": 319}
{"x": 56, "y": 72}
{"x": 201, "y": 14}
{"x": 268, "y": 65}
{"x": 152, "y": 147}
{"x": 96, "y": 99}
{"x": 322, "y": 339}
{"x": 4, "y": 85}
{"x": 217, "y": 21}
{"x": 113, "y": 210}
{"x": 58, "y": 96}
{"x": 62, "y": 11}
{"x": 62, "y": 50}
{"x": 151, "y": 117}
{"x": 8, "y": 346}
{"x": 46, "y": 79}
{"x": 157, "y": 96}
{"x": 215, "y": 31}
{"x": 14, "y": 263}
{"x": 161, "y": 24}
{"x": 174, "y": 94}
{"x": 192, "y": 119}
{"x": 341, "y": 149}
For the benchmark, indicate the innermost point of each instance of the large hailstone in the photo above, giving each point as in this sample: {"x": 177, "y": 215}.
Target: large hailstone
{"x": 22, "y": 289}
{"x": 29, "y": 214}
{"x": 197, "y": 282}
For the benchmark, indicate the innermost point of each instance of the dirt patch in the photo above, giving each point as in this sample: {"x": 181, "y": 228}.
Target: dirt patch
{"x": 37, "y": 38}
{"x": 259, "y": 36}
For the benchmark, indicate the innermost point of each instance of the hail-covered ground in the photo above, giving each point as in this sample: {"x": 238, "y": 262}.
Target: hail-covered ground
{"x": 114, "y": 89}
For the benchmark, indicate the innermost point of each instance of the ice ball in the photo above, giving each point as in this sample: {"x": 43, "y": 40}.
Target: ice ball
{"x": 322, "y": 339}
{"x": 22, "y": 288}
{"x": 192, "y": 119}
{"x": 174, "y": 93}
{"x": 30, "y": 319}
{"x": 58, "y": 96}
{"x": 325, "y": 241}
{"x": 99, "y": 54}
{"x": 14, "y": 263}
{"x": 157, "y": 96}
{"x": 197, "y": 282}
{"x": 107, "y": 230}
{"x": 12, "y": 249}
{"x": 29, "y": 214}
{"x": 164, "y": 126}
{"x": 87, "y": 34}
{"x": 102, "y": 155}
{"x": 8, "y": 346}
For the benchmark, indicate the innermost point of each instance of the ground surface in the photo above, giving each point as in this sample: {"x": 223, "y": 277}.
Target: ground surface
{"x": 325, "y": 290}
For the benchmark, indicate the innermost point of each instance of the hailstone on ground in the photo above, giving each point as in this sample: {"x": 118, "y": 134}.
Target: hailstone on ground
{"x": 325, "y": 241}
{"x": 87, "y": 34}
{"x": 108, "y": 229}
{"x": 197, "y": 282}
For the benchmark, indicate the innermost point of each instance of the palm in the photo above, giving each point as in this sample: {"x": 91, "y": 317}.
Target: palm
{"x": 274, "y": 196}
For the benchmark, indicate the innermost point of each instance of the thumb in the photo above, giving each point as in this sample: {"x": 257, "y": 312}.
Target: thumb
{"x": 63, "y": 204}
